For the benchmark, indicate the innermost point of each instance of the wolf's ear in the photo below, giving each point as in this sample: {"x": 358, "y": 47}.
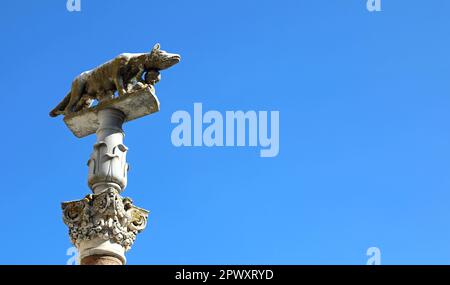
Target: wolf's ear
{"x": 156, "y": 47}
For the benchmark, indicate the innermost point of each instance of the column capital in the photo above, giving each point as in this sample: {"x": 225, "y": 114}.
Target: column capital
{"x": 103, "y": 218}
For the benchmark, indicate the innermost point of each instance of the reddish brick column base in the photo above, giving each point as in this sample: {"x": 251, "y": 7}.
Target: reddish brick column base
{"x": 101, "y": 260}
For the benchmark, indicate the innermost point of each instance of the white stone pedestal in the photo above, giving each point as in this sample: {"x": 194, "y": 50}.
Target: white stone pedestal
{"x": 104, "y": 225}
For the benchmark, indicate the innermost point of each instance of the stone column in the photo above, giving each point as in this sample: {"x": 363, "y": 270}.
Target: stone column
{"x": 107, "y": 166}
{"x": 104, "y": 225}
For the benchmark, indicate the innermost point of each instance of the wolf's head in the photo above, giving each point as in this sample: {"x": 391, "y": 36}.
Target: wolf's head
{"x": 158, "y": 59}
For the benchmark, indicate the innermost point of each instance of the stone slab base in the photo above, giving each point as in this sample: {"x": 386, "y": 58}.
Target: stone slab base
{"x": 134, "y": 105}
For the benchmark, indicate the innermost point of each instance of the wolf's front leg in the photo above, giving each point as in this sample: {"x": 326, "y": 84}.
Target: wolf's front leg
{"x": 140, "y": 74}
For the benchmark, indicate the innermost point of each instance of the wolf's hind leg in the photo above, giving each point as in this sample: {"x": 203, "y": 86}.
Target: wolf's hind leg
{"x": 84, "y": 103}
{"x": 75, "y": 96}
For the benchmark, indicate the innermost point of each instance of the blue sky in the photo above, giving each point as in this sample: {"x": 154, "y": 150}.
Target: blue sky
{"x": 364, "y": 135}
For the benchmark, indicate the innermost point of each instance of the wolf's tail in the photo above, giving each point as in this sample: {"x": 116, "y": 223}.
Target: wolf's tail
{"x": 61, "y": 106}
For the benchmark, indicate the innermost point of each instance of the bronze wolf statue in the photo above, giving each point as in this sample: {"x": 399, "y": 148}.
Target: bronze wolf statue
{"x": 122, "y": 74}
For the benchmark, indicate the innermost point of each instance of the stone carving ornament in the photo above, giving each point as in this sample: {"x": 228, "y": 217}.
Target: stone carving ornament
{"x": 107, "y": 215}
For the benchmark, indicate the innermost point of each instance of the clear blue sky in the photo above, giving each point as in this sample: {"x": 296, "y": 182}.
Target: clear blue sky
{"x": 364, "y": 103}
